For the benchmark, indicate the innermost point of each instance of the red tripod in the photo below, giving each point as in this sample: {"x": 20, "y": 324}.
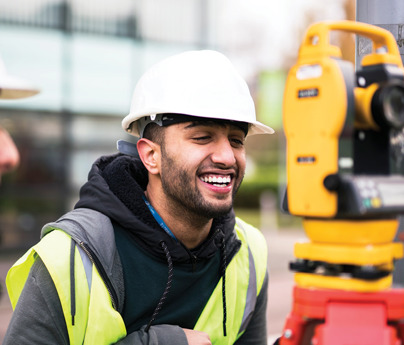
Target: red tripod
{"x": 334, "y": 317}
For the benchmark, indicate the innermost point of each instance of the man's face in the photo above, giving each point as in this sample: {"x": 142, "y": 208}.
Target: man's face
{"x": 9, "y": 157}
{"x": 202, "y": 166}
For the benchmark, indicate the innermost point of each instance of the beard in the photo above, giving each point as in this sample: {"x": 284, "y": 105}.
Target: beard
{"x": 179, "y": 186}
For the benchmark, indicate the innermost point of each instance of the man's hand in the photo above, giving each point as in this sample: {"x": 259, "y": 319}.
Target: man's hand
{"x": 197, "y": 337}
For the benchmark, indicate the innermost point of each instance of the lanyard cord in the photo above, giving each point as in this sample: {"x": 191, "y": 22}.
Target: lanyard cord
{"x": 159, "y": 220}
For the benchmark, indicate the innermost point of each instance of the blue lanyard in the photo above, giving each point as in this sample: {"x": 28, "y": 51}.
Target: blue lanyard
{"x": 158, "y": 218}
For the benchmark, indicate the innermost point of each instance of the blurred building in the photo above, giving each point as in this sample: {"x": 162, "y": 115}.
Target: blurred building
{"x": 86, "y": 57}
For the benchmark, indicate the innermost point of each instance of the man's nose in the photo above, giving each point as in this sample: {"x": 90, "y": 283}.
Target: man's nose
{"x": 224, "y": 153}
{"x": 9, "y": 156}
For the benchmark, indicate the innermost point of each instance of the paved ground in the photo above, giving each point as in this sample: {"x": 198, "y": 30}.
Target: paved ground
{"x": 280, "y": 245}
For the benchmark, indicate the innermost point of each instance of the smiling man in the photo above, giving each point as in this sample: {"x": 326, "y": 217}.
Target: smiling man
{"x": 153, "y": 253}
{"x": 202, "y": 166}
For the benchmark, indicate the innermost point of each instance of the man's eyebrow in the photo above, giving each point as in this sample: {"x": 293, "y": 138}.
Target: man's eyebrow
{"x": 204, "y": 123}
{"x": 194, "y": 124}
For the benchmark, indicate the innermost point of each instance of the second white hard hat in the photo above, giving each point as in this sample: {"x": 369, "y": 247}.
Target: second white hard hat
{"x": 12, "y": 87}
{"x": 197, "y": 83}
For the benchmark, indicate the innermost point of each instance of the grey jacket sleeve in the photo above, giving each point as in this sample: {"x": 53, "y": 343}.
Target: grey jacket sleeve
{"x": 256, "y": 332}
{"x": 38, "y": 318}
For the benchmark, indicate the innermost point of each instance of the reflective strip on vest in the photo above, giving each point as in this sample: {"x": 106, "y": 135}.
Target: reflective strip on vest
{"x": 251, "y": 293}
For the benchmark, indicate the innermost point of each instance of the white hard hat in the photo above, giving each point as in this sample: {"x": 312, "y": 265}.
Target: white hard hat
{"x": 197, "y": 83}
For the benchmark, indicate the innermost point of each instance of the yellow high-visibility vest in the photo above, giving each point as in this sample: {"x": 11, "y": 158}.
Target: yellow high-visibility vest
{"x": 95, "y": 319}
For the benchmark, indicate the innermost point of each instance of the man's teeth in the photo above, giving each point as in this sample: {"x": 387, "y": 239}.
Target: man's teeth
{"x": 216, "y": 179}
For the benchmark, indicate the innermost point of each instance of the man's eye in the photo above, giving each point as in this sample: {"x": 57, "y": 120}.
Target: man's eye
{"x": 206, "y": 137}
{"x": 237, "y": 142}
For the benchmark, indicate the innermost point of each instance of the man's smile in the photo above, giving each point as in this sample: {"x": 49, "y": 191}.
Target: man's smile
{"x": 216, "y": 180}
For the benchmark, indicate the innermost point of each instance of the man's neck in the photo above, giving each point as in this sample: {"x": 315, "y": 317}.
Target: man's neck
{"x": 187, "y": 227}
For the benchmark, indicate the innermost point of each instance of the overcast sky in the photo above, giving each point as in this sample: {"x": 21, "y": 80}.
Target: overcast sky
{"x": 273, "y": 30}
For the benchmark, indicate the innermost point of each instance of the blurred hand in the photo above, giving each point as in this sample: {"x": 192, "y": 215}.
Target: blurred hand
{"x": 9, "y": 157}
{"x": 197, "y": 337}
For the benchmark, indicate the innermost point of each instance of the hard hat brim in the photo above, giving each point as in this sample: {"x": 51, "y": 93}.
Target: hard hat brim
{"x": 260, "y": 128}
{"x": 256, "y": 127}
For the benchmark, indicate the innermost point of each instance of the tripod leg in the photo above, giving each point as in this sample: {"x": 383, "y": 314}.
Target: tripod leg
{"x": 400, "y": 329}
{"x": 293, "y": 330}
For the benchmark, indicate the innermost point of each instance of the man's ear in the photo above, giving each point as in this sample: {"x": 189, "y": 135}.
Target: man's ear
{"x": 149, "y": 153}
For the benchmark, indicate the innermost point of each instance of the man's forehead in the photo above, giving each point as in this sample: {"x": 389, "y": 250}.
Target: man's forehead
{"x": 210, "y": 123}
{"x": 215, "y": 123}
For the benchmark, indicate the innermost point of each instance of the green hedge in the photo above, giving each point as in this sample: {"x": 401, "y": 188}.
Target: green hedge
{"x": 265, "y": 179}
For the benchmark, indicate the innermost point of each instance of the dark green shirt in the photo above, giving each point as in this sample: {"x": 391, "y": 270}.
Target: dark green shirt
{"x": 145, "y": 278}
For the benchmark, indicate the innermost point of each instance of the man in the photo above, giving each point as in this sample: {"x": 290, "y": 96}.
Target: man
{"x": 9, "y": 159}
{"x": 152, "y": 253}
{"x": 11, "y": 88}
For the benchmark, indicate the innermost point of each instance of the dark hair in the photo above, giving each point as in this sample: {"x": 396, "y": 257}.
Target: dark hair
{"x": 155, "y": 133}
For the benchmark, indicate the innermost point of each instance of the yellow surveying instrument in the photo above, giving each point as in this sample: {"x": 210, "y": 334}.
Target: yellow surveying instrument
{"x": 339, "y": 126}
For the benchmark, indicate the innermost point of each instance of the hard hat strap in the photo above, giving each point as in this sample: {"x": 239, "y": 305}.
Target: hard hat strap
{"x": 167, "y": 119}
